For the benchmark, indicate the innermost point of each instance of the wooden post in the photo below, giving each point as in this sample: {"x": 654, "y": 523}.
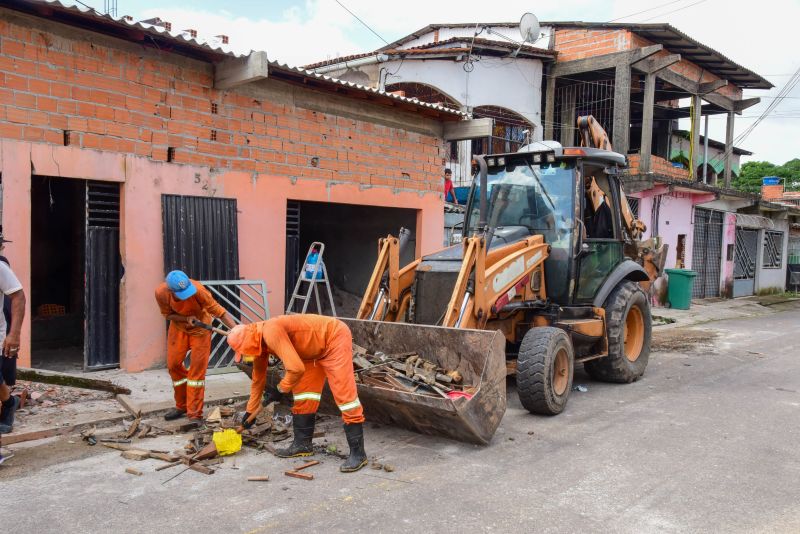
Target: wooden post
{"x": 568, "y": 119}
{"x": 549, "y": 107}
{"x": 695, "y": 136}
{"x": 729, "y": 148}
{"x": 622, "y": 107}
{"x": 647, "y": 123}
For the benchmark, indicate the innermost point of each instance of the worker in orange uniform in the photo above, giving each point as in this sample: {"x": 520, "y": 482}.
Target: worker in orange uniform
{"x": 312, "y": 348}
{"x": 184, "y": 302}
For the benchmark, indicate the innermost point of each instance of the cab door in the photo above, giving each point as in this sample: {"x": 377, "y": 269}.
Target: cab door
{"x": 601, "y": 248}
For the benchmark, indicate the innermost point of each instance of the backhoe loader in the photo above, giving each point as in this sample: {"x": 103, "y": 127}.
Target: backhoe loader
{"x": 550, "y": 274}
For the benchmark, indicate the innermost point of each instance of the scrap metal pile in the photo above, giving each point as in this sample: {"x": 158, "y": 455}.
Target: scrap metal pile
{"x": 408, "y": 372}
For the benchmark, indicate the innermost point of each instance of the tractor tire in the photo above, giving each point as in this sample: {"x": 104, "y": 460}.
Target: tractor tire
{"x": 545, "y": 365}
{"x": 629, "y": 330}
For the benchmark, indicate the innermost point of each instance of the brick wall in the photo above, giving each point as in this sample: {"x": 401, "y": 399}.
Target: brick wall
{"x": 772, "y": 192}
{"x": 112, "y": 95}
{"x": 575, "y": 43}
{"x": 658, "y": 166}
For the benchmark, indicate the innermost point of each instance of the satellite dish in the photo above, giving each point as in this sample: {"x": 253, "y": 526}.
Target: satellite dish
{"x": 529, "y": 28}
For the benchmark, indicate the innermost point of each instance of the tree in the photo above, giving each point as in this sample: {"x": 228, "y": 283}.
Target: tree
{"x": 752, "y": 172}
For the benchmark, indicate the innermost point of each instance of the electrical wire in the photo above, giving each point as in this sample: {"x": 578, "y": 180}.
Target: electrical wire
{"x": 362, "y": 22}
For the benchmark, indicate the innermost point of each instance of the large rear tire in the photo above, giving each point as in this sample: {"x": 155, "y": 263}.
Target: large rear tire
{"x": 629, "y": 330}
{"x": 545, "y": 366}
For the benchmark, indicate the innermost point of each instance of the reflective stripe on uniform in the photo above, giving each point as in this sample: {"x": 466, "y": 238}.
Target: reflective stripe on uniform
{"x": 179, "y": 383}
{"x": 308, "y": 395}
{"x": 350, "y": 405}
{"x": 196, "y": 383}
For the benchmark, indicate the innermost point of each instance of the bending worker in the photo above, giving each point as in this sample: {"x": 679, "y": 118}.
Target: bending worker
{"x": 185, "y": 302}
{"x": 312, "y": 348}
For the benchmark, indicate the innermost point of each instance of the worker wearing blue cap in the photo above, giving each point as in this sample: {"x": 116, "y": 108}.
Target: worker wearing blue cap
{"x": 185, "y": 303}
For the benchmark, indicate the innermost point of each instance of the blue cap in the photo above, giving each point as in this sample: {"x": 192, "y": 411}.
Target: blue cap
{"x": 179, "y": 283}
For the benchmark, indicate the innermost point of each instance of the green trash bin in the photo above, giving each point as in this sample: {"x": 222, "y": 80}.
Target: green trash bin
{"x": 679, "y": 289}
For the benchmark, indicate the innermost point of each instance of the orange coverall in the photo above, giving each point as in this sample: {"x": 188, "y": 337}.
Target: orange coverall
{"x": 312, "y": 348}
{"x": 189, "y": 384}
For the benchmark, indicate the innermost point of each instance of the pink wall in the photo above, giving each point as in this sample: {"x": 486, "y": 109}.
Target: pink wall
{"x": 675, "y": 217}
{"x": 262, "y": 218}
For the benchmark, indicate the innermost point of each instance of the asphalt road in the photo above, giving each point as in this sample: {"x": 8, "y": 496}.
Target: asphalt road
{"x": 708, "y": 440}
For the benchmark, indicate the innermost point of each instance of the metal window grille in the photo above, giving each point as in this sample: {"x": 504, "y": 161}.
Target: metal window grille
{"x": 633, "y": 203}
{"x": 745, "y": 256}
{"x": 594, "y": 98}
{"x": 773, "y": 248}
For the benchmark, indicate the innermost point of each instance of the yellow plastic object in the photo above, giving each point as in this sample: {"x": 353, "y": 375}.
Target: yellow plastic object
{"x": 228, "y": 441}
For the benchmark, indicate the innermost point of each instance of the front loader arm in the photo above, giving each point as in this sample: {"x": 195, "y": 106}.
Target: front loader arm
{"x": 486, "y": 283}
{"x": 386, "y": 296}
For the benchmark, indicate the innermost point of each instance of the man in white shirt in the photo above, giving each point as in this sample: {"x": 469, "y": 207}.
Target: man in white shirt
{"x": 11, "y": 289}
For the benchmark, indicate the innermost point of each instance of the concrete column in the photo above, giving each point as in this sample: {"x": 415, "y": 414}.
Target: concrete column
{"x": 549, "y": 107}
{"x": 729, "y": 148}
{"x": 647, "y": 122}
{"x": 622, "y": 107}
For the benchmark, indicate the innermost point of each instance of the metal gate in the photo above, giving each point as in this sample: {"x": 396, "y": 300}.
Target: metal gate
{"x": 201, "y": 236}
{"x": 103, "y": 273}
{"x": 292, "y": 247}
{"x": 744, "y": 269}
{"x": 707, "y": 252}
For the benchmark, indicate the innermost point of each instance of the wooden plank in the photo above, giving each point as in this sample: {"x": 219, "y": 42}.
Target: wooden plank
{"x": 306, "y": 465}
{"x": 233, "y": 72}
{"x": 200, "y": 468}
{"x": 127, "y": 403}
{"x": 133, "y": 471}
{"x": 207, "y": 452}
{"x": 295, "y": 474}
{"x": 264, "y": 478}
{"x": 467, "y": 129}
{"x": 729, "y": 147}
{"x": 63, "y": 379}
{"x": 136, "y": 454}
{"x": 167, "y": 466}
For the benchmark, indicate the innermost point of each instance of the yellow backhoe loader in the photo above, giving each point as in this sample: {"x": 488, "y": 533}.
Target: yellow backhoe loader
{"x": 548, "y": 275}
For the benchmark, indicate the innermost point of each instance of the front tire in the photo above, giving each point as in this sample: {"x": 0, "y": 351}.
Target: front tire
{"x": 545, "y": 366}
{"x": 629, "y": 331}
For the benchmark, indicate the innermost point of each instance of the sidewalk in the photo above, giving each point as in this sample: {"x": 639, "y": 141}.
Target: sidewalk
{"x": 717, "y": 309}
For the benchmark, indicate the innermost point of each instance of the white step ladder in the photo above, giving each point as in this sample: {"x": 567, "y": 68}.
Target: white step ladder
{"x": 309, "y": 276}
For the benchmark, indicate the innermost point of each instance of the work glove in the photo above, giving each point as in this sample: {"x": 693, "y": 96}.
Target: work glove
{"x": 245, "y": 423}
{"x": 271, "y": 395}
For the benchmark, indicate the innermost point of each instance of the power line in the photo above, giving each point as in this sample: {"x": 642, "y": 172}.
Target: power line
{"x": 362, "y": 22}
{"x": 673, "y": 11}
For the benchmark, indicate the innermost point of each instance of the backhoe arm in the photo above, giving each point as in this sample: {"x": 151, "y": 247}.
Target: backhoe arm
{"x": 386, "y": 297}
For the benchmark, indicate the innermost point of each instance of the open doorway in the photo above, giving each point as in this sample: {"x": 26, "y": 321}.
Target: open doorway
{"x": 58, "y": 248}
{"x": 350, "y": 233}
{"x": 75, "y": 274}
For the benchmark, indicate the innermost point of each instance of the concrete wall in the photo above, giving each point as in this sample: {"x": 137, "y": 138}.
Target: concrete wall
{"x": 771, "y": 279}
{"x": 125, "y": 105}
{"x": 675, "y": 218}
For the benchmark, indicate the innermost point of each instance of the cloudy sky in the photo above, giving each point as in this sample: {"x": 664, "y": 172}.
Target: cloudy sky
{"x": 758, "y": 35}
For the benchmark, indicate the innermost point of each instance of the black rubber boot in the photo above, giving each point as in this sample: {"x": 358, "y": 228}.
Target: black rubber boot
{"x": 7, "y": 415}
{"x": 303, "y": 426}
{"x": 174, "y": 413}
{"x": 355, "y": 439}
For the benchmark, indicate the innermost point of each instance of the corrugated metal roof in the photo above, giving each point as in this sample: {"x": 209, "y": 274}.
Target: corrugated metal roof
{"x": 660, "y": 33}
{"x": 178, "y": 42}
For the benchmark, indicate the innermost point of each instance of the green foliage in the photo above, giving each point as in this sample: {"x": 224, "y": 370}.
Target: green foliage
{"x": 753, "y": 171}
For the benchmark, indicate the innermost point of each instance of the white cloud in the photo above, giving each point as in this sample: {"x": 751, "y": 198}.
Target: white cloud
{"x": 759, "y": 37}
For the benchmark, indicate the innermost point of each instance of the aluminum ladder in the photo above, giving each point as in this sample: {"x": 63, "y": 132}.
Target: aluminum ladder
{"x": 312, "y": 282}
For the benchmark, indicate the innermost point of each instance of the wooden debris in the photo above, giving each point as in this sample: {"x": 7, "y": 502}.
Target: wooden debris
{"x": 295, "y": 474}
{"x": 133, "y": 471}
{"x": 167, "y": 466}
{"x": 306, "y": 465}
{"x": 200, "y": 468}
{"x": 207, "y": 452}
{"x": 214, "y": 461}
{"x": 63, "y": 379}
{"x": 115, "y": 440}
{"x": 144, "y": 432}
{"x": 131, "y": 407}
{"x": 226, "y": 411}
{"x": 215, "y": 416}
{"x": 258, "y": 479}
{"x": 136, "y": 454}
{"x": 165, "y": 456}
{"x": 116, "y": 446}
{"x": 133, "y": 428}
{"x": 186, "y": 427}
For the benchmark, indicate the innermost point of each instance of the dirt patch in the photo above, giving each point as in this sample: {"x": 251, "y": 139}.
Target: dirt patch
{"x": 683, "y": 340}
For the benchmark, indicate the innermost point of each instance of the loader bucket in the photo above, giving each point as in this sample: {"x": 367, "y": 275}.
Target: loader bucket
{"x": 479, "y": 356}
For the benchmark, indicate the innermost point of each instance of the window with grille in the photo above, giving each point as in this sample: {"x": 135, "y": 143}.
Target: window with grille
{"x": 633, "y": 203}
{"x": 773, "y": 247}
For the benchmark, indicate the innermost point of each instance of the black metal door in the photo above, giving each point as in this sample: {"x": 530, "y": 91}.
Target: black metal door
{"x": 744, "y": 269}
{"x": 707, "y": 253}
{"x": 103, "y": 273}
{"x": 201, "y": 236}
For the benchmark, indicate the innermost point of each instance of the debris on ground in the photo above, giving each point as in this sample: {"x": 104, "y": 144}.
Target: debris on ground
{"x": 683, "y": 339}
{"x": 388, "y": 468}
{"x": 133, "y": 471}
{"x": 408, "y": 372}
{"x": 581, "y": 388}
{"x": 264, "y": 478}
